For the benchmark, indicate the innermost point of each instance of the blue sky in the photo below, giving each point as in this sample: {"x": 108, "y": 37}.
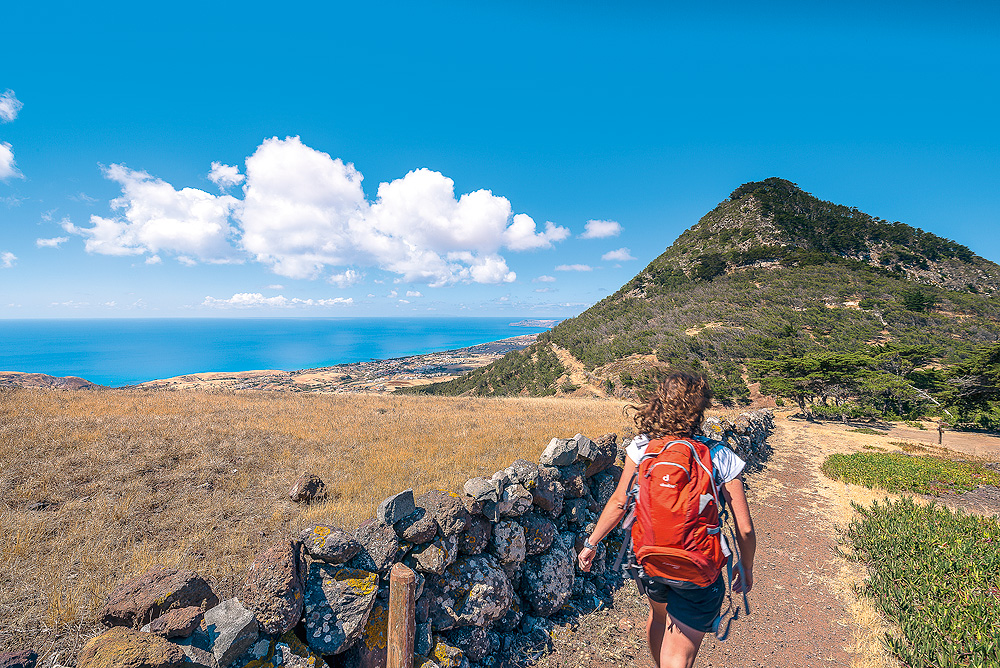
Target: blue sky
{"x": 458, "y": 158}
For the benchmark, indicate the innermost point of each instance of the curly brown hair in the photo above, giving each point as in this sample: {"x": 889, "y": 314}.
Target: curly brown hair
{"x": 676, "y": 407}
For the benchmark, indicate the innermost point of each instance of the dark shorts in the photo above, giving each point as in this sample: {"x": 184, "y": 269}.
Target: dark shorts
{"x": 696, "y": 608}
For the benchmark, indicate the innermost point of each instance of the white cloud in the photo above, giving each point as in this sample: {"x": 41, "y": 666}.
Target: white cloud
{"x": 7, "y": 167}
{"x": 574, "y": 267}
{"x": 70, "y": 304}
{"x": 225, "y": 176}
{"x": 156, "y": 218}
{"x": 304, "y": 215}
{"x": 345, "y": 279}
{"x": 620, "y": 255}
{"x": 521, "y": 234}
{"x": 298, "y": 207}
{"x": 83, "y": 197}
{"x": 304, "y": 211}
{"x": 544, "y": 279}
{"x": 600, "y": 229}
{"x": 544, "y": 290}
{"x": 154, "y": 259}
{"x": 275, "y": 286}
{"x": 51, "y": 243}
{"x": 403, "y": 301}
{"x": 9, "y": 106}
{"x": 413, "y": 293}
{"x": 256, "y": 300}
{"x": 7, "y": 259}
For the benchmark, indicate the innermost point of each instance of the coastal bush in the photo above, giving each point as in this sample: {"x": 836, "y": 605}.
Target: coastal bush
{"x": 936, "y": 574}
{"x": 895, "y": 472}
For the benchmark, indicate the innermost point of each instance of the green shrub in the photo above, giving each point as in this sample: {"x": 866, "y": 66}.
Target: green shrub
{"x": 867, "y": 430}
{"x": 936, "y": 575}
{"x": 894, "y": 472}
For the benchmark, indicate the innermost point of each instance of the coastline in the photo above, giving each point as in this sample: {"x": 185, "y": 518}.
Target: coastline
{"x": 375, "y": 376}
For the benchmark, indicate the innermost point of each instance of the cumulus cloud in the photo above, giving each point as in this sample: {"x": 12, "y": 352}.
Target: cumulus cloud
{"x": 256, "y": 299}
{"x": 521, "y": 234}
{"x": 51, "y": 243}
{"x": 8, "y": 169}
{"x": 154, "y": 259}
{"x": 304, "y": 215}
{"x": 155, "y": 218}
{"x": 574, "y": 267}
{"x": 9, "y": 106}
{"x": 544, "y": 279}
{"x": 7, "y": 259}
{"x": 345, "y": 279}
{"x": 225, "y": 176}
{"x": 620, "y": 255}
{"x": 600, "y": 229}
{"x": 413, "y": 293}
{"x": 305, "y": 211}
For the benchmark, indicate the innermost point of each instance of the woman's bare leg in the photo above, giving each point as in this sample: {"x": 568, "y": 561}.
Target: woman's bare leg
{"x": 671, "y": 643}
{"x": 656, "y": 625}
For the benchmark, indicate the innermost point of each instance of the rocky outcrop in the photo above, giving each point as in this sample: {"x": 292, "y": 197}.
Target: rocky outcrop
{"x": 273, "y": 587}
{"x": 122, "y": 647}
{"x": 329, "y": 543}
{"x": 307, "y": 488}
{"x": 159, "y": 590}
{"x": 495, "y": 568}
{"x": 337, "y": 605}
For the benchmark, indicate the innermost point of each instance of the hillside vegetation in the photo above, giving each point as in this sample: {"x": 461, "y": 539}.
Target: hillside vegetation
{"x": 774, "y": 276}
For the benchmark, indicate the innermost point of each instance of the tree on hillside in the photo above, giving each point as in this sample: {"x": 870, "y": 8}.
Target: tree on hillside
{"x": 975, "y": 383}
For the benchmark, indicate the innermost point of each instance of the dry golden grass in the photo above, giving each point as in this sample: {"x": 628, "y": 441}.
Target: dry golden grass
{"x": 199, "y": 480}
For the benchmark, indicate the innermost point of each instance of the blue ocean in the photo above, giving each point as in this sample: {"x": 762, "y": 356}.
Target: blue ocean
{"x": 123, "y": 352}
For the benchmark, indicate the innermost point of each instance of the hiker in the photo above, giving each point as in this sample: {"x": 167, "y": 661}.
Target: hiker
{"x": 680, "y": 613}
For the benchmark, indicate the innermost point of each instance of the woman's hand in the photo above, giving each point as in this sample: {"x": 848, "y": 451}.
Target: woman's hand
{"x": 586, "y": 559}
{"x": 743, "y": 581}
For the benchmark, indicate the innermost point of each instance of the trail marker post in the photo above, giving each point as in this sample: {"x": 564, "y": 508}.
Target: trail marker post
{"x": 402, "y": 625}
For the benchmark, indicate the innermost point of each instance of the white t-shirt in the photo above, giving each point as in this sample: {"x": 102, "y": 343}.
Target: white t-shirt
{"x": 725, "y": 462}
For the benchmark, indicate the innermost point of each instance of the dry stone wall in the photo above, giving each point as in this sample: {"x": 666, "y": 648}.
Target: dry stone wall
{"x": 495, "y": 564}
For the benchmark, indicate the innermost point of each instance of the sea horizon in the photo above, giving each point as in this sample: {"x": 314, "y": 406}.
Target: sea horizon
{"x": 125, "y": 351}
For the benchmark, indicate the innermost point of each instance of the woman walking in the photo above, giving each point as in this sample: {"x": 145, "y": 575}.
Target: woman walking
{"x": 680, "y": 613}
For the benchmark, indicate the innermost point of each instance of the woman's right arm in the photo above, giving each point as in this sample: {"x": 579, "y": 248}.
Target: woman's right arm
{"x": 745, "y": 536}
{"x": 612, "y": 514}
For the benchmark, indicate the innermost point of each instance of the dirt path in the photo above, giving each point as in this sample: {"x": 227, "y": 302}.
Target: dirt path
{"x": 803, "y": 613}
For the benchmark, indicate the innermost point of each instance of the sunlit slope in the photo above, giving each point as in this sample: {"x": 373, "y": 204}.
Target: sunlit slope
{"x": 770, "y": 271}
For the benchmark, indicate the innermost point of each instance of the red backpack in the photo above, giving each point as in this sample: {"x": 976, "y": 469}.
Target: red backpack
{"x": 677, "y": 531}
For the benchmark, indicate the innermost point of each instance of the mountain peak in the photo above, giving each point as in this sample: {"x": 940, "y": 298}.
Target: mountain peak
{"x": 774, "y": 221}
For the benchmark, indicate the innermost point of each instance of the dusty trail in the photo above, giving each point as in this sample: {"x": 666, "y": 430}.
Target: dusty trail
{"x": 798, "y": 618}
{"x": 803, "y": 613}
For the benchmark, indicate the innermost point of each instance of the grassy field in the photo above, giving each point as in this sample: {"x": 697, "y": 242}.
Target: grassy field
{"x": 95, "y": 487}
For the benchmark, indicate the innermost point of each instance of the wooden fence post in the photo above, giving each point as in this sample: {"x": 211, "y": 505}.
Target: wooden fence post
{"x": 402, "y": 625}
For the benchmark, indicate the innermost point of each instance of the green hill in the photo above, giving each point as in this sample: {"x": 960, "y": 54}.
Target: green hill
{"x": 772, "y": 273}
